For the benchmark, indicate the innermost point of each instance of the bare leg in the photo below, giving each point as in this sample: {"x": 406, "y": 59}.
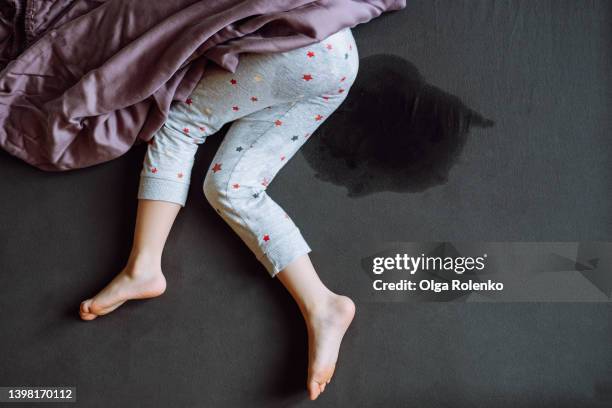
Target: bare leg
{"x": 142, "y": 277}
{"x": 327, "y": 317}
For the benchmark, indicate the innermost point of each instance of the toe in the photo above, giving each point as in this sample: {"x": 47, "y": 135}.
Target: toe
{"x": 314, "y": 390}
{"x": 85, "y": 306}
{"x": 87, "y": 316}
{"x": 85, "y": 310}
{"x": 319, "y": 380}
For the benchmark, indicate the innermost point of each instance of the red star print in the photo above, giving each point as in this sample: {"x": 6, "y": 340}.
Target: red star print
{"x": 350, "y": 46}
{"x": 310, "y": 54}
{"x": 186, "y": 130}
{"x": 236, "y": 186}
{"x": 265, "y": 182}
{"x": 342, "y": 79}
{"x": 154, "y": 170}
{"x": 180, "y": 175}
{"x": 340, "y": 90}
{"x": 202, "y": 128}
{"x": 254, "y": 98}
{"x": 216, "y": 167}
{"x": 283, "y": 158}
{"x": 233, "y": 81}
{"x": 235, "y": 108}
{"x": 307, "y": 77}
{"x": 266, "y": 237}
{"x": 189, "y": 101}
{"x": 318, "y": 117}
{"x": 278, "y": 122}
{"x": 326, "y": 98}
{"x": 329, "y": 46}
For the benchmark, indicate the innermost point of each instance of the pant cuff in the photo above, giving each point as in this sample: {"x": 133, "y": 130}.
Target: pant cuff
{"x": 153, "y": 188}
{"x": 277, "y": 257}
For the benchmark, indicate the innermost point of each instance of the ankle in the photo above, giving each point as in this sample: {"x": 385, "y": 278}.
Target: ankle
{"x": 143, "y": 263}
{"x": 331, "y": 306}
{"x": 320, "y": 304}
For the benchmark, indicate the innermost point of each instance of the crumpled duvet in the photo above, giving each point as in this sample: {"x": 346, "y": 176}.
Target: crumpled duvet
{"x": 82, "y": 81}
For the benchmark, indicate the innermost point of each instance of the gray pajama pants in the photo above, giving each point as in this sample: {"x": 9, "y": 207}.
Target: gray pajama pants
{"x": 275, "y": 101}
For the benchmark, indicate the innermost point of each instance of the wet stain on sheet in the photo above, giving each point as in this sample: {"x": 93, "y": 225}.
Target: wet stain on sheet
{"x": 394, "y": 132}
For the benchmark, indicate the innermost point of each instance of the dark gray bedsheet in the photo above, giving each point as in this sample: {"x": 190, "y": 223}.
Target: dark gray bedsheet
{"x": 225, "y": 335}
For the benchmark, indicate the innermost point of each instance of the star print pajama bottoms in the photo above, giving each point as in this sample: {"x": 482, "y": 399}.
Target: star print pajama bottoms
{"x": 275, "y": 101}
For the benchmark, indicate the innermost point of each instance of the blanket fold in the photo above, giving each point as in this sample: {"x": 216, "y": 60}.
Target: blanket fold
{"x": 82, "y": 81}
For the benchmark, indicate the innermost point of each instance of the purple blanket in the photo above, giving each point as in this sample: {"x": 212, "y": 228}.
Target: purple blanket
{"x": 82, "y": 81}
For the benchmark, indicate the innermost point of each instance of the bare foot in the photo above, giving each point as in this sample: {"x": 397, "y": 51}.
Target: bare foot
{"x": 326, "y": 327}
{"x": 138, "y": 280}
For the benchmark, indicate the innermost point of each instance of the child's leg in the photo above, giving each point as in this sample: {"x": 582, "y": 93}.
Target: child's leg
{"x": 255, "y": 148}
{"x": 142, "y": 277}
{"x": 327, "y": 317}
{"x": 164, "y": 183}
